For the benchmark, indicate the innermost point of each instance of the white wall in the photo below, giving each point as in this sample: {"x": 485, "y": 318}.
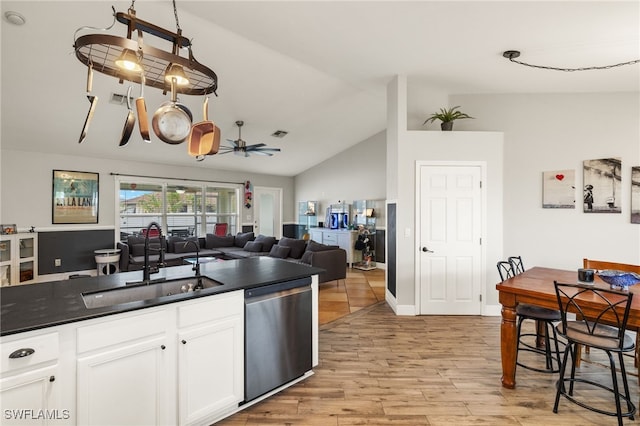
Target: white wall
{"x": 415, "y": 146}
{"x": 358, "y": 173}
{"x": 25, "y": 191}
{"x": 554, "y": 132}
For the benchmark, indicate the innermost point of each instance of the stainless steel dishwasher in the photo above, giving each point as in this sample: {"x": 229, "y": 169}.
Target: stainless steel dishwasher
{"x": 277, "y": 335}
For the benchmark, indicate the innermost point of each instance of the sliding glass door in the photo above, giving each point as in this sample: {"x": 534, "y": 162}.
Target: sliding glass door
{"x": 182, "y": 208}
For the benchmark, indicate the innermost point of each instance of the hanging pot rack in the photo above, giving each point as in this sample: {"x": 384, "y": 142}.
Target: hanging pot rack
{"x": 101, "y": 51}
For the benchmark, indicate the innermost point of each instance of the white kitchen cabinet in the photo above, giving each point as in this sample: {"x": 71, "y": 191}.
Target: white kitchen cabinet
{"x": 30, "y": 398}
{"x": 18, "y": 258}
{"x": 210, "y": 358}
{"x": 345, "y": 239}
{"x": 176, "y": 364}
{"x": 124, "y": 386}
{"x": 122, "y": 370}
{"x": 29, "y": 392}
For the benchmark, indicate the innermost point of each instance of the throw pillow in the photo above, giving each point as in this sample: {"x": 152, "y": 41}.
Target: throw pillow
{"x": 281, "y": 252}
{"x": 138, "y": 249}
{"x": 267, "y": 242}
{"x": 243, "y": 238}
{"x": 213, "y": 241}
{"x": 185, "y": 246}
{"x": 253, "y": 246}
{"x": 172, "y": 241}
{"x": 297, "y": 246}
{"x": 306, "y": 257}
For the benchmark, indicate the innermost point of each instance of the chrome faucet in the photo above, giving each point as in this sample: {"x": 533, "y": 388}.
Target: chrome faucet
{"x": 147, "y": 269}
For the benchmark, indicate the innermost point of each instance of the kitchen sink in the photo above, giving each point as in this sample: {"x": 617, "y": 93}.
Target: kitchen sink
{"x": 139, "y": 292}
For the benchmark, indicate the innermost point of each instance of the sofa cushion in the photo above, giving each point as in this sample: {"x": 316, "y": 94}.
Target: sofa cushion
{"x": 136, "y": 245}
{"x": 213, "y": 241}
{"x": 267, "y": 242}
{"x": 314, "y": 246}
{"x": 173, "y": 242}
{"x": 253, "y": 246}
{"x": 185, "y": 246}
{"x": 297, "y": 246}
{"x": 243, "y": 238}
{"x": 279, "y": 251}
{"x": 306, "y": 257}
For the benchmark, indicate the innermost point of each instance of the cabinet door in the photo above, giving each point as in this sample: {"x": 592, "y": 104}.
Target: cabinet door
{"x": 316, "y": 235}
{"x": 124, "y": 386}
{"x": 210, "y": 369}
{"x": 31, "y": 398}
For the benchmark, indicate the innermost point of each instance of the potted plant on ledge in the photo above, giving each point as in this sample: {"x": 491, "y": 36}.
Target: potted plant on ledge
{"x": 447, "y": 116}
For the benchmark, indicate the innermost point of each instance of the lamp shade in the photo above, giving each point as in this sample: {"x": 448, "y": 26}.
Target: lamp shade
{"x": 128, "y": 61}
{"x": 176, "y": 71}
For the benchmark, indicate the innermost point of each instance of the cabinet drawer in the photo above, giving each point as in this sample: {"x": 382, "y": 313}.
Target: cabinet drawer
{"x": 39, "y": 349}
{"x": 111, "y": 332}
{"x": 211, "y": 308}
{"x": 330, "y": 238}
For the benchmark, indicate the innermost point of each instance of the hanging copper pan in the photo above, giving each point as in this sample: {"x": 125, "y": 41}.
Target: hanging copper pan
{"x": 204, "y": 138}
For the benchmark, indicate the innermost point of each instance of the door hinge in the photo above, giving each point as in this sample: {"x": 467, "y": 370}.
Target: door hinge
{"x": 481, "y": 298}
{"x": 480, "y": 240}
{"x": 480, "y": 184}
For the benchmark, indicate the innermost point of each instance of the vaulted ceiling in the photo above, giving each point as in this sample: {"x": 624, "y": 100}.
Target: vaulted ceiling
{"x": 317, "y": 69}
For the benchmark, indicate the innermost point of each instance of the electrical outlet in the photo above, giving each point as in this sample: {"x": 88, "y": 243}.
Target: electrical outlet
{"x": 58, "y": 262}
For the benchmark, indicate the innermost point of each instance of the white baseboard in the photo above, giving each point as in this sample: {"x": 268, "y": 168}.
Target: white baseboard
{"x": 492, "y": 311}
{"x": 406, "y": 310}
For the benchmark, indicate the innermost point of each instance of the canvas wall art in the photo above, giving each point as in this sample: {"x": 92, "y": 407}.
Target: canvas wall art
{"x": 559, "y": 189}
{"x": 602, "y": 180}
{"x": 635, "y": 194}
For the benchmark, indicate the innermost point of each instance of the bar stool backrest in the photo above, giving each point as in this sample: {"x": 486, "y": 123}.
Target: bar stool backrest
{"x": 505, "y": 269}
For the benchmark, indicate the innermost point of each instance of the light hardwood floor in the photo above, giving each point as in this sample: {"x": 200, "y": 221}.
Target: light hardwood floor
{"x": 377, "y": 368}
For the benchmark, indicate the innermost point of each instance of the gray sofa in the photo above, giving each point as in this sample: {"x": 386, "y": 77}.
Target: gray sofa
{"x": 243, "y": 245}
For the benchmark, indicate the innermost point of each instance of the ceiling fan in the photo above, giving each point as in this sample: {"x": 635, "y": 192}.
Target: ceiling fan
{"x": 240, "y": 147}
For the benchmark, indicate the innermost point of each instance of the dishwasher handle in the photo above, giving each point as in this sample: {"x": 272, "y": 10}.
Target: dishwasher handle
{"x": 276, "y": 288}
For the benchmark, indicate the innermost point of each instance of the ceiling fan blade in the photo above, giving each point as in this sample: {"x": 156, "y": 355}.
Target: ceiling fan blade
{"x": 257, "y": 152}
{"x": 257, "y": 145}
{"x": 233, "y": 143}
{"x": 267, "y": 149}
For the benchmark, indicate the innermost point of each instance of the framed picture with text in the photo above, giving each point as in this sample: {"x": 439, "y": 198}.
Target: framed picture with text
{"x": 75, "y": 197}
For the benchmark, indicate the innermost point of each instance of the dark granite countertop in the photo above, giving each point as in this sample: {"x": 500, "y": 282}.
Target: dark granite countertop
{"x": 35, "y": 306}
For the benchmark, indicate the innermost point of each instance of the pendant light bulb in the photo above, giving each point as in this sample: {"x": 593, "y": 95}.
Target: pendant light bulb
{"x": 128, "y": 61}
{"x": 176, "y": 71}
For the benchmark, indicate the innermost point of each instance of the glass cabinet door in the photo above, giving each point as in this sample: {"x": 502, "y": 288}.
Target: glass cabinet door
{"x": 5, "y": 262}
{"x": 26, "y": 247}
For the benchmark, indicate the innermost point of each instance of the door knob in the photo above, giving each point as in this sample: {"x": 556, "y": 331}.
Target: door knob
{"x": 426, "y": 250}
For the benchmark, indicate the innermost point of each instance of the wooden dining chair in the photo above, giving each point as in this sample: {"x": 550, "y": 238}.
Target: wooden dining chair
{"x": 591, "y": 329}
{"x": 544, "y": 325}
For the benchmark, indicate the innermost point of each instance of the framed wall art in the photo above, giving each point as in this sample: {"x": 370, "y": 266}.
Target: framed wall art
{"x": 635, "y": 194}
{"x": 75, "y": 197}
{"x": 559, "y": 189}
{"x": 602, "y": 180}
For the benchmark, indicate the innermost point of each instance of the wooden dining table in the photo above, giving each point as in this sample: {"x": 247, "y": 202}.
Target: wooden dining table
{"x": 535, "y": 287}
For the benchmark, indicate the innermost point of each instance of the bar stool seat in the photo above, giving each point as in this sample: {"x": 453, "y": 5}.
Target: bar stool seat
{"x": 541, "y": 316}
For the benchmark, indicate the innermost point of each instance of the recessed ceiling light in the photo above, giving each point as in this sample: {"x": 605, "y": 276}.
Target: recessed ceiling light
{"x": 15, "y": 18}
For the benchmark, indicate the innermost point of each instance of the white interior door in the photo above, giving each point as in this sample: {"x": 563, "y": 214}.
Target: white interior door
{"x": 268, "y": 211}
{"x": 450, "y": 221}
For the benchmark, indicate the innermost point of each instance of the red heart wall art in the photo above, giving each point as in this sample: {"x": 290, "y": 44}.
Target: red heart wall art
{"x": 559, "y": 177}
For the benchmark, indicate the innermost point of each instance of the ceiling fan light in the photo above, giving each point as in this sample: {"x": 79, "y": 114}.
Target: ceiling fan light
{"x": 128, "y": 61}
{"x": 176, "y": 71}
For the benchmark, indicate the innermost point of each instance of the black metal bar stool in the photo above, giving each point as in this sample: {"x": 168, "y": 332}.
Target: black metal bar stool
{"x": 601, "y": 321}
{"x": 544, "y": 319}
